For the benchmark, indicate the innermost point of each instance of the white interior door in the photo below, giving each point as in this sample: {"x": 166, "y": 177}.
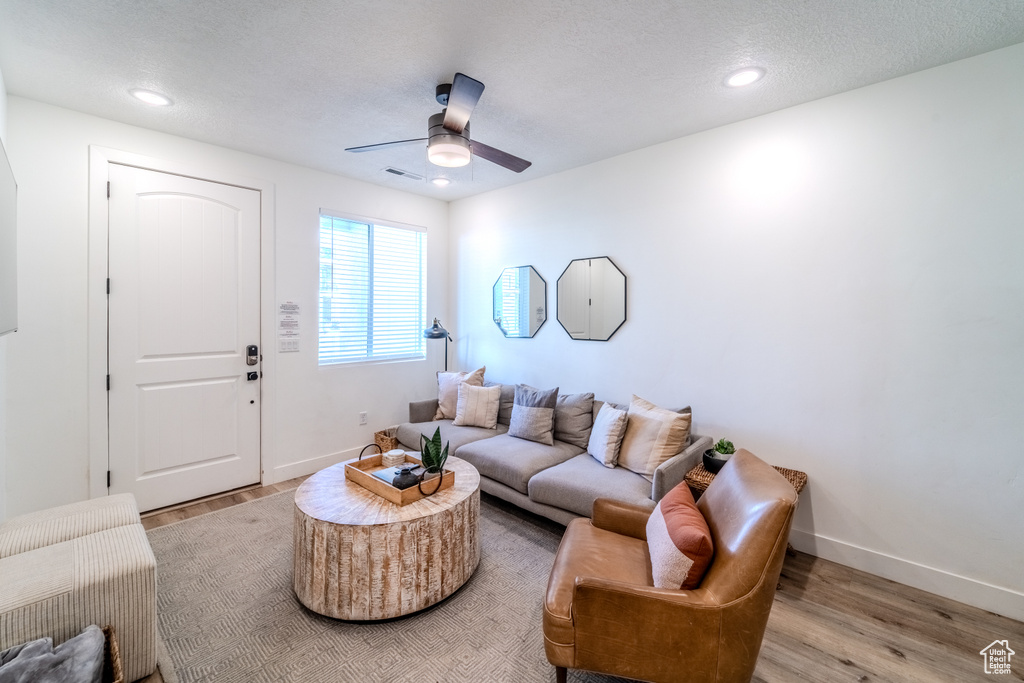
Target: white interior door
{"x": 183, "y": 306}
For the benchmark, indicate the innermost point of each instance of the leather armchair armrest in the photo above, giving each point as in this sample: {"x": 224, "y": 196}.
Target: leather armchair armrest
{"x": 423, "y": 411}
{"x": 622, "y": 518}
{"x": 591, "y": 587}
{"x": 672, "y": 472}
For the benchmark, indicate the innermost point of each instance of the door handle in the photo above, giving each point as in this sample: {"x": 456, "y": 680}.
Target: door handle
{"x": 252, "y": 355}
{"x": 252, "y": 376}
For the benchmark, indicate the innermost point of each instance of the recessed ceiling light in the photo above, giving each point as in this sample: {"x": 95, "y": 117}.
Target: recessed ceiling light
{"x": 744, "y": 77}
{"x": 151, "y": 98}
{"x": 441, "y": 182}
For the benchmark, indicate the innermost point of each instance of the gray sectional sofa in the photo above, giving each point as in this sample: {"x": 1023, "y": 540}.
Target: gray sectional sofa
{"x": 560, "y": 481}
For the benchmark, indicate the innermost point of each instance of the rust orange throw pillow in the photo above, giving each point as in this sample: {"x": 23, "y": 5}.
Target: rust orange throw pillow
{"x": 679, "y": 541}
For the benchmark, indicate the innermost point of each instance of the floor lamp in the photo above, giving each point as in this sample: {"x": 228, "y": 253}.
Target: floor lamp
{"x": 438, "y": 332}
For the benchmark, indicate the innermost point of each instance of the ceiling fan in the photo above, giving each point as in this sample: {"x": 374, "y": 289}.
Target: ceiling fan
{"x": 448, "y": 142}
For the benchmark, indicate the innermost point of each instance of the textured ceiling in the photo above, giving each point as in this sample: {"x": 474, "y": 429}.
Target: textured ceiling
{"x": 568, "y": 82}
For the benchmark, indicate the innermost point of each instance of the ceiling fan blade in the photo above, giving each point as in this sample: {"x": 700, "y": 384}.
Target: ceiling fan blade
{"x": 383, "y": 145}
{"x": 462, "y": 100}
{"x": 496, "y": 156}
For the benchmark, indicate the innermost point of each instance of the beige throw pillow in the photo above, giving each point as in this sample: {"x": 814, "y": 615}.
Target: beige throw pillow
{"x": 653, "y": 435}
{"x": 478, "y": 406}
{"x": 606, "y": 436}
{"x": 448, "y": 390}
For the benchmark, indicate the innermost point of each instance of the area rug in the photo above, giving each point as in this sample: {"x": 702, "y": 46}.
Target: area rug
{"x": 227, "y": 611}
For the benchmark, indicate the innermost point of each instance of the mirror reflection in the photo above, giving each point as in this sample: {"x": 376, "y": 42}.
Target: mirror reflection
{"x": 520, "y": 301}
{"x": 592, "y": 299}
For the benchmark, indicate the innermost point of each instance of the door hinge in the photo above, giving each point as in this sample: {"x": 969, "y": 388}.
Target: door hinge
{"x": 108, "y": 479}
{"x": 108, "y": 285}
{"x": 108, "y": 189}
{"x": 108, "y": 382}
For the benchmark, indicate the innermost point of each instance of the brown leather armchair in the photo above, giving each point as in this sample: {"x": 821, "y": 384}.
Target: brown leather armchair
{"x": 602, "y": 612}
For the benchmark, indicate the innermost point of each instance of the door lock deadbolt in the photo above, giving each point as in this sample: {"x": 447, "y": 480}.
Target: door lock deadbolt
{"x": 252, "y": 355}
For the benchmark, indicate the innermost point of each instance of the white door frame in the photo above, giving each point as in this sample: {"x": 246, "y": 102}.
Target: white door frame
{"x": 99, "y": 436}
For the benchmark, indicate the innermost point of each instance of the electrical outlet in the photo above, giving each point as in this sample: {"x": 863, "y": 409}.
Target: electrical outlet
{"x": 362, "y": 418}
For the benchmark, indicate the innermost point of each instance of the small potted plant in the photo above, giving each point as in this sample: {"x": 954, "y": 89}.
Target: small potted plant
{"x": 715, "y": 458}
{"x": 432, "y": 455}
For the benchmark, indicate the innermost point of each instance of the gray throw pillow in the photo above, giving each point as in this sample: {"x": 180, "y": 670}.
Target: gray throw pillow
{"x": 574, "y": 418}
{"x": 508, "y": 395}
{"x": 533, "y": 414}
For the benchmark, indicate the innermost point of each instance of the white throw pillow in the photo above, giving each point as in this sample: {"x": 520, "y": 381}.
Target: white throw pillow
{"x": 478, "y": 406}
{"x": 653, "y": 435}
{"x": 606, "y": 436}
{"x": 448, "y": 390}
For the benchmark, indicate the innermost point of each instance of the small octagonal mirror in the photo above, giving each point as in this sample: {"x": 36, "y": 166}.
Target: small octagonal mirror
{"x": 520, "y": 301}
{"x": 592, "y": 299}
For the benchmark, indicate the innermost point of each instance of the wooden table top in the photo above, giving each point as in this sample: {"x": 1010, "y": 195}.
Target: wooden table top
{"x": 330, "y": 497}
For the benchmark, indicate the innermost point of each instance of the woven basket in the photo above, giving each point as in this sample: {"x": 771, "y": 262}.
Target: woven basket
{"x": 113, "y": 670}
{"x": 699, "y": 478}
{"x": 387, "y": 439}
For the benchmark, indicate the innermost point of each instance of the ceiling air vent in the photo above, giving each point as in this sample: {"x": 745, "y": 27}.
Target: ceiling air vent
{"x": 404, "y": 174}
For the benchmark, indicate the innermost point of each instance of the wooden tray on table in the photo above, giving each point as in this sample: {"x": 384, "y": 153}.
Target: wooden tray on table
{"x": 361, "y": 472}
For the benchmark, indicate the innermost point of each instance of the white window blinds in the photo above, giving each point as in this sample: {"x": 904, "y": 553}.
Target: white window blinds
{"x": 372, "y": 291}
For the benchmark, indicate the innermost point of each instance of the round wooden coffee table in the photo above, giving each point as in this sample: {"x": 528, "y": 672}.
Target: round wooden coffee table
{"x": 361, "y": 557}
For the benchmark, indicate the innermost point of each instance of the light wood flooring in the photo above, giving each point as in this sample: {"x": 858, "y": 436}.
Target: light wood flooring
{"x": 177, "y": 513}
{"x": 828, "y": 623}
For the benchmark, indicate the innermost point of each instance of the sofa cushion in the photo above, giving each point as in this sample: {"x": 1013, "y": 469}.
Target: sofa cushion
{"x": 513, "y": 461}
{"x": 575, "y": 484}
{"x": 606, "y": 436}
{"x": 653, "y": 435}
{"x": 508, "y": 399}
{"x": 574, "y": 418}
{"x": 477, "y": 406}
{"x": 679, "y": 540}
{"x": 56, "y": 525}
{"x": 448, "y": 390}
{"x": 456, "y": 437}
{"x": 533, "y": 415}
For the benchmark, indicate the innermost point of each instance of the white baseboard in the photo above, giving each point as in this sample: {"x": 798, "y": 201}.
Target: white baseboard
{"x": 985, "y": 596}
{"x": 304, "y": 467}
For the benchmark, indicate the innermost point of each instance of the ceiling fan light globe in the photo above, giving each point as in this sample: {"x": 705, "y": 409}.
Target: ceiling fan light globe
{"x": 449, "y": 153}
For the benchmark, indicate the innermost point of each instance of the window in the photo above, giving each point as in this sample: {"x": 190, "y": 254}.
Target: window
{"x": 372, "y": 291}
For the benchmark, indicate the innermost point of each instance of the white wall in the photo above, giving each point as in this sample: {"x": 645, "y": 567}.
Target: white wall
{"x": 837, "y": 287}
{"x": 316, "y": 418}
{"x": 3, "y": 344}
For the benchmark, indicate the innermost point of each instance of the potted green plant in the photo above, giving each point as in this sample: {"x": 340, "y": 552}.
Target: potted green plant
{"x": 715, "y": 458}
{"x": 432, "y": 455}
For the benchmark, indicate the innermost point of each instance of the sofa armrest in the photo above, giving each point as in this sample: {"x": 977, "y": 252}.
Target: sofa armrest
{"x": 423, "y": 411}
{"x": 672, "y": 472}
{"x": 619, "y": 517}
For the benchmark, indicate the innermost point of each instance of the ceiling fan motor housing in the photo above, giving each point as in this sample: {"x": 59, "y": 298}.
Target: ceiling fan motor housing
{"x": 446, "y": 147}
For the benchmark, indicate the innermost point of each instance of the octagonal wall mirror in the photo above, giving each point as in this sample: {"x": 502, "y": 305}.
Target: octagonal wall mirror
{"x": 520, "y": 301}
{"x": 592, "y": 299}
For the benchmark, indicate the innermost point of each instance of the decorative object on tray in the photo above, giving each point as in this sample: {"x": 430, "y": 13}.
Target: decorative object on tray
{"x": 393, "y": 458}
{"x": 406, "y": 477}
{"x": 387, "y": 439}
{"x": 433, "y": 458}
{"x": 369, "y": 473}
{"x": 715, "y": 458}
